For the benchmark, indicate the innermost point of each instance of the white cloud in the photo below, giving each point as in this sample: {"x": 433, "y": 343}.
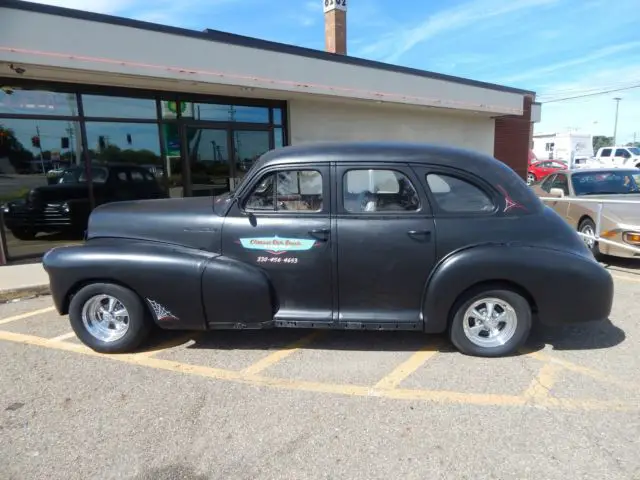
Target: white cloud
{"x": 595, "y": 114}
{"x": 394, "y": 44}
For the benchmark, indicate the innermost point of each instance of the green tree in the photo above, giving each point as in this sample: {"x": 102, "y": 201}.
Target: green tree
{"x": 12, "y": 148}
{"x": 600, "y": 141}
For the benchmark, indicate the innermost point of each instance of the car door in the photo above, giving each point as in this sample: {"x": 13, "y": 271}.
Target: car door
{"x": 281, "y": 225}
{"x": 385, "y": 245}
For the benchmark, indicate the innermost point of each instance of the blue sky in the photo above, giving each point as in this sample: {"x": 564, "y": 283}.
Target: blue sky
{"x": 558, "y": 48}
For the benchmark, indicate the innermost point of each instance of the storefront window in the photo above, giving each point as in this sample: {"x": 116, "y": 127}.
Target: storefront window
{"x": 34, "y": 154}
{"x": 278, "y": 137}
{"x": 37, "y": 102}
{"x": 118, "y": 107}
{"x": 225, "y": 113}
{"x": 277, "y": 116}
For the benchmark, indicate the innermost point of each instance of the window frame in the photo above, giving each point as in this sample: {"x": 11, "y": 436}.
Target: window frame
{"x": 405, "y": 169}
{"x": 549, "y": 178}
{"x": 258, "y": 177}
{"x": 494, "y": 196}
{"x": 567, "y": 190}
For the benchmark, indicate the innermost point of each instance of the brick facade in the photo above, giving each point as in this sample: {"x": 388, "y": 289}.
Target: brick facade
{"x": 513, "y": 137}
{"x": 335, "y": 31}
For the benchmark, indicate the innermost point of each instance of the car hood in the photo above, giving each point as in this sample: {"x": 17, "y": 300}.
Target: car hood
{"x": 190, "y": 222}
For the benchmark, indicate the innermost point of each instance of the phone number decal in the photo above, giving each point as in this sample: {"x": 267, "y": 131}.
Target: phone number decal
{"x": 277, "y": 260}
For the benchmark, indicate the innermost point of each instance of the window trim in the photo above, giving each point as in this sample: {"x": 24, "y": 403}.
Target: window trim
{"x": 477, "y": 182}
{"x": 322, "y": 169}
{"x": 403, "y": 169}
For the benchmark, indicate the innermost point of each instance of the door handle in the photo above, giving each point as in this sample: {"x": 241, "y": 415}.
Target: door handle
{"x": 423, "y": 233}
{"x": 323, "y": 232}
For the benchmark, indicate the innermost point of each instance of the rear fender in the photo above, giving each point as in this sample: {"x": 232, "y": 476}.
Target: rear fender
{"x": 167, "y": 278}
{"x": 540, "y": 274}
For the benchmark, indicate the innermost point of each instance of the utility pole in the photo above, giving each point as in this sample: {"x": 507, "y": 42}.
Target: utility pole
{"x": 615, "y": 125}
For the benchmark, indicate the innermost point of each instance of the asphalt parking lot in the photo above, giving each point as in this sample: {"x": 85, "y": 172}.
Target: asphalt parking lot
{"x": 300, "y": 404}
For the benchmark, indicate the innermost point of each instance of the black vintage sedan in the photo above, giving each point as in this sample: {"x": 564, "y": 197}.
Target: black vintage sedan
{"x": 346, "y": 236}
{"x": 64, "y": 206}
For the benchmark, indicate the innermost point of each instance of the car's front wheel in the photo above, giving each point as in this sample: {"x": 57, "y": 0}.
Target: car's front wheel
{"x": 588, "y": 227}
{"x": 490, "y": 322}
{"x": 109, "y": 318}
{"x": 531, "y": 178}
{"x": 24, "y": 234}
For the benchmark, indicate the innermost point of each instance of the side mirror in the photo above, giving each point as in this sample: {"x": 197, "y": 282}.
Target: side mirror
{"x": 556, "y": 192}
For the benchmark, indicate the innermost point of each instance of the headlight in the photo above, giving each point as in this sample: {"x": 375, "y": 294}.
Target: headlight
{"x": 5, "y": 208}
{"x": 631, "y": 237}
{"x": 65, "y": 207}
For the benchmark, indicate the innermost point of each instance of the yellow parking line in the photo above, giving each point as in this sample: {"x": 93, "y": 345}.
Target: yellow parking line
{"x": 542, "y": 383}
{"x": 317, "y": 387}
{"x": 402, "y": 371}
{"x": 22, "y": 316}
{"x": 63, "y": 337}
{"x": 275, "y": 357}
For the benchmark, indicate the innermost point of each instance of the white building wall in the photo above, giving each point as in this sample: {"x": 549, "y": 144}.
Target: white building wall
{"x": 313, "y": 121}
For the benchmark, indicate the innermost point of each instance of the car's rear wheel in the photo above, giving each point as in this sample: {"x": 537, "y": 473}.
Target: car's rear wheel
{"x": 588, "y": 227}
{"x": 490, "y": 322}
{"x": 109, "y": 318}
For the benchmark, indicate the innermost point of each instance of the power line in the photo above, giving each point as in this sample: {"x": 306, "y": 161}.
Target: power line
{"x": 593, "y": 94}
{"x": 581, "y": 90}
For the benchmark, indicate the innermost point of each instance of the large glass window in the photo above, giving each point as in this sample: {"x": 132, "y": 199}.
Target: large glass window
{"x": 379, "y": 190}
{"x": 118, "y": 107}
{"x": 225, "y": 113}
{"x": 134, "y": 143}
{"x": 34, "y": 154}
{"x": 37, "y": 102}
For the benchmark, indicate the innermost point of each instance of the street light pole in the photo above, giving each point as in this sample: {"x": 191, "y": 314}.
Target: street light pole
{"x": 615, "y": 125}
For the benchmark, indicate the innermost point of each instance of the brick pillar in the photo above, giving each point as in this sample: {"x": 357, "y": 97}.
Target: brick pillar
{"x": 513, "y": 137}
{"x": 335, "y": 26}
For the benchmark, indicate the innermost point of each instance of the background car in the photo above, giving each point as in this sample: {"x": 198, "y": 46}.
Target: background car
{"x": 65, "y": 206}
{"x": 539, "y": 170}
{"x": 619, "y": 222}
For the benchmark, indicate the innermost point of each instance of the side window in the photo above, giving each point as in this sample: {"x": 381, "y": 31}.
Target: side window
{"x": 546, "y": 183}
{"x": 621, "y": 152}
{"x": 290, "y": 190}
{"x": 119, "y": 176}
{"x": 367, "y": 190}
{"x": 561, "y": 182}
{"x": 455, "y": 195}
{"x": 606, "y": 152}
{"x": 137, "y": 176}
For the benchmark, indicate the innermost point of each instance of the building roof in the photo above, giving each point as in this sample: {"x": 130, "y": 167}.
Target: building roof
{"x": 250, "y": 42}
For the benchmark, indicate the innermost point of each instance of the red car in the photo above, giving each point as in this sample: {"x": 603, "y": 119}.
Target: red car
{"x": 539, "y": 170}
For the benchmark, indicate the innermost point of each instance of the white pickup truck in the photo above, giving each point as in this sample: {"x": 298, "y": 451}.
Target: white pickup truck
{"x": 619, "y": 156}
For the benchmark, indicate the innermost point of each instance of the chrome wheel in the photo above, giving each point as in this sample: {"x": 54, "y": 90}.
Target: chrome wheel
{"x": 587, "y": 229}
{"x": 105, "y": 318}
{"x": 490, "y": 322}
{"x": 530, "y": 179}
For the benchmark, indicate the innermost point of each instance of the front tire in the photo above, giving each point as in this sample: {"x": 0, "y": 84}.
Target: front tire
{"x": 531, "y": 178}
{"x": 490, "y": 322}
{"x": 588, "y": 227}
{"x": 109, "y": 318}
{"x": 24, "y": 234}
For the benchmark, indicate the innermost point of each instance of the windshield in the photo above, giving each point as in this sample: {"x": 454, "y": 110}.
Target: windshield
{"x": 635, "y": 150}
{"x": 79, "y": 175}
{"x": 606, "y": 182}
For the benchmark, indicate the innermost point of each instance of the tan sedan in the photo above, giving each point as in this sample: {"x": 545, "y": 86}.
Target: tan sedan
{"x": 620, "y": 222}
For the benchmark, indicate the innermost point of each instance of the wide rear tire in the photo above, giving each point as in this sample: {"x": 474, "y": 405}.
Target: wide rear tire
{"x": 474, "y": 332}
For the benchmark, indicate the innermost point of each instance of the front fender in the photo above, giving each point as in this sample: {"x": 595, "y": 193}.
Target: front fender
{"x": 562, "y": 287}
{"x": 166, "y": 277}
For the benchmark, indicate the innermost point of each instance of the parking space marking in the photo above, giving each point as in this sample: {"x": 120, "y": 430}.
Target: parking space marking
{"x": 626, "y": 278}
{"x": 281, "y": 354}
{"x": 22, "y": 316}
{"x": 64, "y": 336}
{"x": 406, "y": 368}
{"x": 171, "y": 343}
{"x": 541, "y": 385}
{"x": 330, "y": 388}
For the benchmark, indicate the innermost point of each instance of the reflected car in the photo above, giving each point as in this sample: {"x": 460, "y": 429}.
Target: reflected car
{"x": 65, "y": 206}
{"x": 365, "y": 236}
{"x": 620, "y": 223}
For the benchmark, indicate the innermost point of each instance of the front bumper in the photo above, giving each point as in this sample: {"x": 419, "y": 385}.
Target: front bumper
{"x": 51, "y": 216}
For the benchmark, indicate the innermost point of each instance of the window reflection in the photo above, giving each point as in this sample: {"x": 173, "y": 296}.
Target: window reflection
{"x": 118, "y": 107}
{"x": 135, "y": 143}
{"x": 249, "y": 146}
{"x": 37, "y": 102}
{"x": 33, "y": 155}
{"x": 225, "y": 113}
{"x": 277, "y": 116}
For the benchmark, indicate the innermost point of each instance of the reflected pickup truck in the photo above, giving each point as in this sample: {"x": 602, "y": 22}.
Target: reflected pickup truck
{"x": 366, "y": 236}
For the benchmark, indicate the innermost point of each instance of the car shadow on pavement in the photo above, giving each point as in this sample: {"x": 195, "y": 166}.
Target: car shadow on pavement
{"x": 598, "y": 335}
{"x": 630, "y": 266}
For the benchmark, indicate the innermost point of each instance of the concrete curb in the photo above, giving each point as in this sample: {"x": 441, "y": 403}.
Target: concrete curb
{"x": 24, "y": 293}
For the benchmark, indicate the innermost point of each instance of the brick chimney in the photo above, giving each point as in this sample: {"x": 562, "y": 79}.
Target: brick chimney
{"x": 335, "y": 26}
